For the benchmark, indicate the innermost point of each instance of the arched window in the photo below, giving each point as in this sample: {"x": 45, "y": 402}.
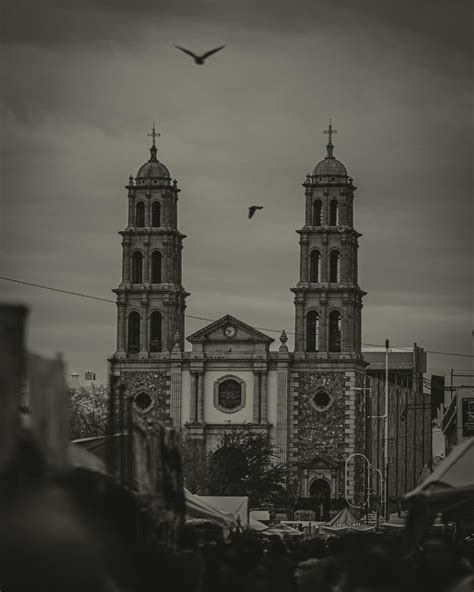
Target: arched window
{"x": 156, "y": 214}
{"x": 230, "y": 394}
{"x": 317, "y": 212}
{"x": 312, "y": 331}
{"x": 315, "y": 266}
{"x": 155, "y": 332}
{"x": 335, "y": 330}
{"x": 335, "y": 266}
{"x": 133, "y": 332}
{"x": 137, "y": 268}
{"x": 140, "y": 215}
{"x": 156, "y": 267}
{"x": 333, "y": 213}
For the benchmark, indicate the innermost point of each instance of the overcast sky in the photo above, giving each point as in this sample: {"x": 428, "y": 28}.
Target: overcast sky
{"x": 83, "y": 82}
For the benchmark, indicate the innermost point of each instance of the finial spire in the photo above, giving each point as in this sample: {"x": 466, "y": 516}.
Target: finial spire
{"x": 329, "y": 145}
{"x": 154, "y": 134}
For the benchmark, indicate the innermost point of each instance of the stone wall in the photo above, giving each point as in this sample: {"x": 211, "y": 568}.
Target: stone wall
{"x": 146, "y": 394}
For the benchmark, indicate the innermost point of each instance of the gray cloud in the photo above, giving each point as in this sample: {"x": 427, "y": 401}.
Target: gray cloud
{"x": 82, "y": 84}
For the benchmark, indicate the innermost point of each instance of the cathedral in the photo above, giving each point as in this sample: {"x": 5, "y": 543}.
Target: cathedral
{"x": 309, "y": 401}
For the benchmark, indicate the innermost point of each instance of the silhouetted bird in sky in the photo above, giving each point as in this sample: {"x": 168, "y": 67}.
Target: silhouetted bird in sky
{"x": 200, "y": 59}
{"x": 253, "y": 209}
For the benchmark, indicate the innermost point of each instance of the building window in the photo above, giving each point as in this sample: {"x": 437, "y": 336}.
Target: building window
{"x": 333, "y": 213}
{"x": 315, "y": 266}
{"x": 156, "y": 267}
{"x": 137, "y": 268}
{"x": 140, "y": 215}
{"x": 317, "y": 212}
{"x": 321, "y": 400}
{"x": 156, "y": 214}
{"x": 334, "y": 266}
{"x": 335, "y": 330}
{"x": 229, "y": 394}
{"x": 143, "y": 402}
{"x": 156, "y": 323}
{"x": 312, "y": 331}
{"x": 133, "y": 345}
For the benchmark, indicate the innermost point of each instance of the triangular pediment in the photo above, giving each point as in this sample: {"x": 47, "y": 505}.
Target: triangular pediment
{"x": 320, "y": 462}
{"x": 229, "y": 328}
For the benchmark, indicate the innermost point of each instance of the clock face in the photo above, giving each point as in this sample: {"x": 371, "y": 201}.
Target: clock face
{"x": 230, "y": 331}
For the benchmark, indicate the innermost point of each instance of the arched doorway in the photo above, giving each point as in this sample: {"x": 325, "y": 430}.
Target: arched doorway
{"x": 320, "y": 492}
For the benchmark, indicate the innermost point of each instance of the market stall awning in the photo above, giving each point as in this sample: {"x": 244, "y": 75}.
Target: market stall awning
{"x": 282, "y": 530}
{"x": 345, "y": 521}
{"x": 197, "y": 508}
{"x": 453, "y": 478}
{"x": 238, "y": 506}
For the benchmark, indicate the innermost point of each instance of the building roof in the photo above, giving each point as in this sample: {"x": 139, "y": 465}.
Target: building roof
{"x": 330, "y": 167}
{"x": 153, "y": 168}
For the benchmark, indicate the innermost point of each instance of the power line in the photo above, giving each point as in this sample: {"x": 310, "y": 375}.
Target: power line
{"x": 79, "y": 294}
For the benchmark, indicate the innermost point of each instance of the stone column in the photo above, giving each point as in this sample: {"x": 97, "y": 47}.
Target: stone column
{"x": 324, "y": 260}
{"x": 299, "y": 322}
{"x": 256, "y": 397}
{"x": 148, "y": 210}
{"x": 126, "y": 261}
{"x": 263, "y": 397}
{"x": 323, "y": 326}
{"x": 144, "y": 330}
{"x": 121, "y": 326}
{"x": 131, "y": 211}
{"x": 175, "y": 398}
{"x": 200, "y": 397}
{"x": 193, "y": 410}
{"x": 281, "y": 439}
{"x": 146, "y": 263}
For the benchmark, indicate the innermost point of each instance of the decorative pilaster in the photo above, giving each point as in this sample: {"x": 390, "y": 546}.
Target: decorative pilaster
{"x": 193, "y": 403}
{"x": 200, "y": 397}
{"x": 256, "y": 397}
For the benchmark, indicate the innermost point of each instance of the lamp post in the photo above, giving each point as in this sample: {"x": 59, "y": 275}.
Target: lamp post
{"x": 386, "y": 442}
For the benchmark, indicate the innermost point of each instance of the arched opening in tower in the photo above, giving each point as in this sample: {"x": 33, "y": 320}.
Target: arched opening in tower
{"x": 140, "y": 215}
{"x": 312, "y": 331}
{"x": 133, "y": 341}
{"x": 156, "y": 267}
{"x": 156, "y": 214}
{"x": 156, "y": 323}
{"x": 137, "y": 268}
{"x": 335, "y": 331}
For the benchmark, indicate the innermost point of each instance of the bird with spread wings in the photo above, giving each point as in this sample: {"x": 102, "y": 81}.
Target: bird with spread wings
{"x": 202, "y": 58}
{"x": 253, "y": 209}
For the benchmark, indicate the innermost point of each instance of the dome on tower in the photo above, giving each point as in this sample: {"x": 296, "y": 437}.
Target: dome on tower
{"x": 153, "y": 169}
{"x": 330, "y": 166}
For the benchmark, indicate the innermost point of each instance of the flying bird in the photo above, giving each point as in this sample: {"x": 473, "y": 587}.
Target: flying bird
{"x": 253, "y": 209}
{"x": 200, "y": 59}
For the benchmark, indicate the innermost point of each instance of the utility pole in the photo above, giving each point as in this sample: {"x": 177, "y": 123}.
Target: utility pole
{"x": 387, "y": 510}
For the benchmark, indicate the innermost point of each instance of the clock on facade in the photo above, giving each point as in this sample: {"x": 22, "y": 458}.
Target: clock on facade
{"x": 230, "y": 331}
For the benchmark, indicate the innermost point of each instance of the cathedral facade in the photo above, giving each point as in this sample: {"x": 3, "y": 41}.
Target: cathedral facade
{"x": 309, "y": 401}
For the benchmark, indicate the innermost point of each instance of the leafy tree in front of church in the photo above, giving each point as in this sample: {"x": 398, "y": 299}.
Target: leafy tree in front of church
{"x": 88, "y": 411}
{"x": 243, "y": 464}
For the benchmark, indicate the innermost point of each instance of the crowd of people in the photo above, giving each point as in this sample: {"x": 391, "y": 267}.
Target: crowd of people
{"x": 355, "y": 562}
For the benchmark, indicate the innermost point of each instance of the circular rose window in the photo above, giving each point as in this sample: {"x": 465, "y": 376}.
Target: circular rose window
{"x": 321, "y": 400}
{"x": 143, "y": 401}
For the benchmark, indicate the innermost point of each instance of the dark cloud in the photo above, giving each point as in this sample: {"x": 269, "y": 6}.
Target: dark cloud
{"x": 83, "y": 82}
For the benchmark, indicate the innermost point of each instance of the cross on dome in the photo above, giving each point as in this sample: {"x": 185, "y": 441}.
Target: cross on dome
{"x": 330, "y": 146}
{"x": 154, "y": 134}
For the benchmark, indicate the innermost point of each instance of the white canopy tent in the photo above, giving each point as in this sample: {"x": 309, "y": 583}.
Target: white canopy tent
{"x": 237, "y": 506}
{"x": 197, "y": 508}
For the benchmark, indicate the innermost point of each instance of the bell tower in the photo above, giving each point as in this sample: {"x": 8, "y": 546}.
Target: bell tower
{"x": 328, "y": 300}
{"x": 150, "y": 297}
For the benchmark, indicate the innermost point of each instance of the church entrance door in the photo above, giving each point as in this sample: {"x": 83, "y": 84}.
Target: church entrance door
{"x": 320, "y": 492}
